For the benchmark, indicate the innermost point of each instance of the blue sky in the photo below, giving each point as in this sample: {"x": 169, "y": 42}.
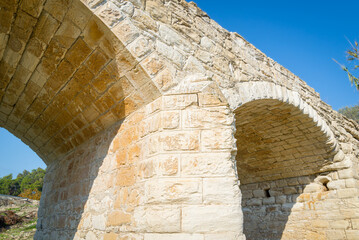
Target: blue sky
{"x": 16, "y": 156}
{"x": 303, "y": 36}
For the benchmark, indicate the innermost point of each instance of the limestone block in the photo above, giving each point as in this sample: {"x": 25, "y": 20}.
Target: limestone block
{"x": 57, "y": 8}
{"x": 355, "y": 223}
{"x": 173, "y": 38}
{"x": 132, "y": 236}
{"x": 153, "y": 106}
{"x": 175, "y": 190}
{"x": 352, "y": 234}
{"x": 110, "y": 236}
{"x": 335, "y": 234}
{"x": 170, "y": 53}
{"x": 110, "y": 13}
{"x": 167, "y": 165}
{"x": 339, "y": 156}
{"x": 339, "y": 224}
{"x": 220, "y": 191}
{"x": 281, "y": 199}
{"x": 313, "y": 187}
{"x": 32, "y": 7}
{"x": 204, "y": 56}
{"x": 126, "y": 176}
{"x": 351, "y": 183}
{"x": 146, "y": 169}
{"x": 170, "y": 119}
{"x": 254, "y": 202}
{"x": 193, "y": 66}
{"x": 346, "y": 147}
{"x": 179, "y": 102}
{"x": 137, "y": 77}
{"x": 207, "y": 164}
{"x": 290, "y": 190}
{"x": 292, "y": 181}
{"x": 269, "y": 200}
{"x": 67, "y": 34}
{"x": 206, "y": 117}
{"x": 175, "y": 236}
{"x": 78, "y": 53}
{"x": 180, "y": 141}
{"x": 152, "y": 145}
{"x": 141, "y": 47}
{"x": 146, "y": 21}
{"x": 165, "y": 79}
{"x": 153, "y": 7}
{"x": 304, "y": 180}
{"x": 158, "y": 218}
{"x": 152, "y": 64}
{"x": 339, "y": 184}
{"x": 347, "y": 192}
{"x": 126, "y": 31}
{"x": 227, "y": 236}
{"x": 217, "y": 139}
{"x": 99, "y": 222}
{"x": 78, "y": 13}
{"x": 200, "y": 218}
{"x": 345, "y": 173}
{"x": 258, "y": 193}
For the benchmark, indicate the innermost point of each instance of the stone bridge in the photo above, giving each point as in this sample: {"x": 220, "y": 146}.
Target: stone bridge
{"x": 157, "y": 124}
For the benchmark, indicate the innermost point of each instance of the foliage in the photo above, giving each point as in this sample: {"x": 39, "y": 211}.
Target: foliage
{"x": 353, "y": 58}
{"x": 25, "y": 181}
{"x": 31, "y": 194}
{"x": 351, "y": 112}
{"x": 6, "y": 184}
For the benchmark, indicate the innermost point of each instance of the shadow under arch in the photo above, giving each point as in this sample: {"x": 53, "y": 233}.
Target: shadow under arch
{"x": 283, "y": 151}
{"x": 67, "y": 85}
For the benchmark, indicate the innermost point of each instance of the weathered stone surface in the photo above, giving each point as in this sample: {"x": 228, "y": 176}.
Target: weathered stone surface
{"x": 151, "y": 117}
{"x": 158, "y": 218}
{"x": 197, "y": 218}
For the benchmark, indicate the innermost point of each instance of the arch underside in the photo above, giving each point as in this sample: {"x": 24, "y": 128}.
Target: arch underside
{"x": 64, "y": 76}
{"x": 280, "y": 151}
{"x": 276, "y": 140}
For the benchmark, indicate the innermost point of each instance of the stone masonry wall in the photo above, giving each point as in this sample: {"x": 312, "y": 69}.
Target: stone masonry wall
{"x": 75, "y": 77}
{"x": 163, "y": 173}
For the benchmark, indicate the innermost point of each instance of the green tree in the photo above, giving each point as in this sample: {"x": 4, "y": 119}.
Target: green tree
{"x": 353, "y": 59}
{"x": 25, "y": 181}
{"x": 5, "y": 184}
{"x": 351, "y": 112}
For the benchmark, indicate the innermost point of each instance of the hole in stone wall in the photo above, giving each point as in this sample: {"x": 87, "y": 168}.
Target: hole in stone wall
{"x": 326, "y": 187}
{"x": 267, "y": 193}
{"x": 324, "y": 181}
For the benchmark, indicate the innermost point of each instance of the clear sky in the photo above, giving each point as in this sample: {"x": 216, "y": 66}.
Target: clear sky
{"x": 16, "y": 156}
{"x": 303, "y": 36}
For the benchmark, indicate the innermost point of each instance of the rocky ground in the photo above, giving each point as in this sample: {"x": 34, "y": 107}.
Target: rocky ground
{"x": 18, "y": 218}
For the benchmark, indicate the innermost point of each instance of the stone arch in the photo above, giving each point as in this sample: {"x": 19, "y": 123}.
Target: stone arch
{"x": 283, "y": 149}
{"x": 66, "y": 75}
{"x": 251, "y": 91}
{"x": 68, "y": 86}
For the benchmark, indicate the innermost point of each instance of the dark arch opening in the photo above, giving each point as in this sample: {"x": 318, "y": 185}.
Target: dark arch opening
{"x": 280, "y": 151}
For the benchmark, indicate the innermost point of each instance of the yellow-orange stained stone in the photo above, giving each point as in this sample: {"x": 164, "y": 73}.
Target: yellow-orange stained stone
{"x": 121, "y": 157}
{"x": 133, "y": 153}
{"x": 78, "y": 52}
{"x": 118, "y": 218}
{"x": 110, "y": 236}
{"x": 126, "y": 176}
{"x": 96, "y": 61}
